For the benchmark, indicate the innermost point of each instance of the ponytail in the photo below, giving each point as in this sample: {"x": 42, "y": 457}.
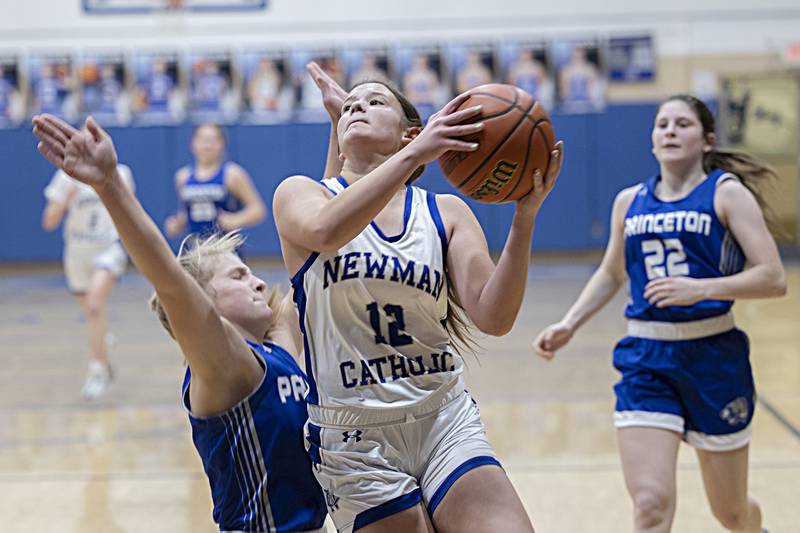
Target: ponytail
{"x": 754, "y": 175}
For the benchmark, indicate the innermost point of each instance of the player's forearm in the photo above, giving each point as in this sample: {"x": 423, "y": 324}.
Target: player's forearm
{"x": 759, "y": 281}
{"x": 599, "y": 290}
{"x": 52, "y": 216}
{"x": 333, "y": 165}
{"x": 249, "y": 216}
{"x": 346, "y": 215}
{"x": 149, "y": 251}
{"x": 501, "y": 298}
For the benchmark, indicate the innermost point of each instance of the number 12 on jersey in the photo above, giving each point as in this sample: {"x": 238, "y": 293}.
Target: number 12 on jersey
{"x": 396, "y": 324}
{"x": 656, "y": 250}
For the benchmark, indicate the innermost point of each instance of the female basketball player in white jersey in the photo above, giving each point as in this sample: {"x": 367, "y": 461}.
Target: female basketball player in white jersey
{"x": 93, "y": 262}
{"x": 683, "y": 238}
{"x": 243, "y": 391}
{"x": 214, "y": 194}
{"x": 378, "y": 266}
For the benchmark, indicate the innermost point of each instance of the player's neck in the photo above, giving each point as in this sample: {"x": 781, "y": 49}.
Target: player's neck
{"x": 353, "y": 169}
{"x": 677, "y": 180}
{"x": 253, "y": 332}
{"x": 206, "y": 168}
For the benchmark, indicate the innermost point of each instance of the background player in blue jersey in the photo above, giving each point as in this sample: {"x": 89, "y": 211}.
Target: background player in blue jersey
{"x": 214, "y": 194}
{"x": 243, "y": 390}
{"x": 397, "y": 443}
{"x": 683, "y": 238}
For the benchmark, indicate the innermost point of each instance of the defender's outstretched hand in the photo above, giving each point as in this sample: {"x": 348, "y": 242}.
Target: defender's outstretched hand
{"x": 87, "y": 155}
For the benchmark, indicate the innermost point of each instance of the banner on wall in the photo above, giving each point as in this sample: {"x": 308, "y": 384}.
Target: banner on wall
{"x": 581, "y": 76}
{"x": 271, "y": 85}
{"x": 52, "y": 86}
{"x": 268, "y": 92}
{"x": 419, "y": 72}
{"x": 760, "y": 115}
{"x": 470, "y": 65}
{"x": 213, "y": 88}
{"x": 309, "y": 106}
{"x": 158, "y": 94}
{"x": 366, "y": 63}
{"x": 527, "y": 65}
{"x": 631, "y": 59}
{"x": 104, "y": 88}
{"x": 12, "y": 101}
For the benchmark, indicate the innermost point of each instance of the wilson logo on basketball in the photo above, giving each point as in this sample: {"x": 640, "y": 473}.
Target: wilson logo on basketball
{"x": 502, "y": 173}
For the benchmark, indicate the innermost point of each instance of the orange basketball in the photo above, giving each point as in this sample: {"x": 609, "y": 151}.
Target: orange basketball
{"x": 516, "y": 140}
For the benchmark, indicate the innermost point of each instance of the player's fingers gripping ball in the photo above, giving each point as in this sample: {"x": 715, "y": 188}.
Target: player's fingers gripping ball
{"x": 517, "y": 139}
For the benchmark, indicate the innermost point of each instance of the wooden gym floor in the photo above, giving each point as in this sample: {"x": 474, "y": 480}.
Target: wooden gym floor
{"x": 127, "y": 464}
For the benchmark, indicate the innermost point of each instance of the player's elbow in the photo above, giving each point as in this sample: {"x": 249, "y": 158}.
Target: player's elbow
{"x": 259, "y": 213}
{"x": 500, "y": 330}
{"x": 322, "y": 237}
{"x": 496, "y": 326}
{"x": 777, "y": 284}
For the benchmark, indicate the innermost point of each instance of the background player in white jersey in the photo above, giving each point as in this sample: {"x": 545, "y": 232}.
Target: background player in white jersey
{"x": 379, "y": 267}
{"x": 243, "y": 391}
{"x": 214, "y": 194}
{"x": 93, "y": 262}
{"x": 682, "y": 237}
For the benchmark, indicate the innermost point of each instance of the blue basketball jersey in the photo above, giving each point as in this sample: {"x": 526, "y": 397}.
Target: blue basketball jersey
{"x": 679, "y": 238}
{"x": 209, "y": 92}
{"x": 579, "y": 88}
{"x": 6, "y": 90}
{"x": 110, "y": 90}
{"x": 203, "y": 200}
{"x": 528, "y": 82}
{"x": 48, "y": 95}
{"x": 158, "y": 89}
{"x": 259, "y": 472}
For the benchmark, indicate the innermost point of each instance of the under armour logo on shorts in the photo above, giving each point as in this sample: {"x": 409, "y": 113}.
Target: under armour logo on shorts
{"x": 347, "y": 435}
{"x": 735, "y": 413}
{"x": 331, "y": 500}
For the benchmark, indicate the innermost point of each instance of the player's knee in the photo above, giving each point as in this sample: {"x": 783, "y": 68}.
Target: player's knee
{"x": 652, "y": 506}
{"x": 94, "y": 307}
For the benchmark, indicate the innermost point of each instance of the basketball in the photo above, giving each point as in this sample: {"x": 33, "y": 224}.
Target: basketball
{"x": 517, "y": 139}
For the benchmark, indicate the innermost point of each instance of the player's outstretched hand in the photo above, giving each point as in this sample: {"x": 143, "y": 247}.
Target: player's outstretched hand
{"x": 333, "y": 96}
{"x": 87, "y": 155}
{"x": 552, "y": 339}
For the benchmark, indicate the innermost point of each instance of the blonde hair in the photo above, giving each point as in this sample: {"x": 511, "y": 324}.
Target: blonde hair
{"x": 198, "y": 258}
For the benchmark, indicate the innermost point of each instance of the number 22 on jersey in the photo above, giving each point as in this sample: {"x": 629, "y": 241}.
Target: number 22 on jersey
{"x": 664, "y": 257}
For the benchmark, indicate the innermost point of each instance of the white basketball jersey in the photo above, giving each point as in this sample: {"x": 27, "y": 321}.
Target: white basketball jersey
{"x": 87, "y": 220}
{"x": 373, "y": 314}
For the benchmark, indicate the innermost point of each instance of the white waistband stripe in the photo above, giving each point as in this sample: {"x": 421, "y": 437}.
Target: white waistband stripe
{"x": 680, "y": 331}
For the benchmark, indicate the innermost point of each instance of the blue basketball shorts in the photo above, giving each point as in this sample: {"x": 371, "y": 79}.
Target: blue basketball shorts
{"x": 701, "y": 388}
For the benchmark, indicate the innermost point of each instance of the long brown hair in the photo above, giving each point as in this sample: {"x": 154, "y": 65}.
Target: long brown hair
{"x": 753, "y": 174}
{"x": 457, "y": 323}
